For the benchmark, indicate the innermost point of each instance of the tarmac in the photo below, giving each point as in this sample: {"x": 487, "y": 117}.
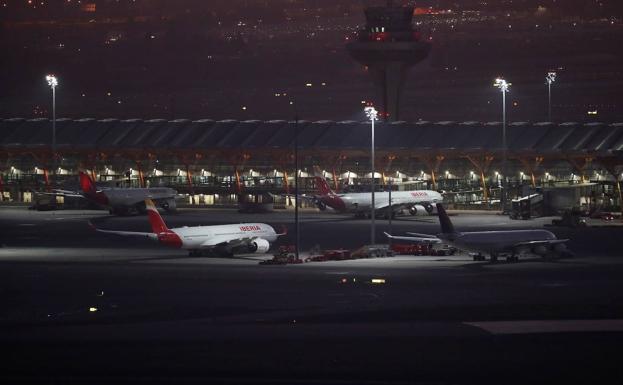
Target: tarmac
{"x": 81, "y": 306}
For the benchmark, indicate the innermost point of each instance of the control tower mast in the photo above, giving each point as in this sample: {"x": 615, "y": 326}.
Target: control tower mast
{"x": 388, "y": 47}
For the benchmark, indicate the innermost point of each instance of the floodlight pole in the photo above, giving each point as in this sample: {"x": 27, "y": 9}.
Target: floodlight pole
{"x": 372, "y": 184}
{"x": 550, "y": 78}
{"x": 391, "y": 211}
{"x": 549, "y": 101}
{"x": 53, "y": 82}
{"x": 372, "y": 113}
{"x": 504, "y": 180}
{"x": 296, "y": 183}
{"x": 503, "y": 85}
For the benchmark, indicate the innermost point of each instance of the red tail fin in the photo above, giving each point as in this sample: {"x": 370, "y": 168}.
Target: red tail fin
{"x": 323, "y": 186}
{"x": 87, "y": 185}
{"x": 157, "y": 224}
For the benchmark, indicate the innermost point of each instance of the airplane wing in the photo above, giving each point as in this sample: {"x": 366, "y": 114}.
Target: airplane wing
{"x": 544, "y": 242}
{"x": 380, "y": 206}
{"x": 125, "y": 233}
{"x": 420, "y": 235}
{"x": 63, "y": 193}
{"x": 426, "y": 239}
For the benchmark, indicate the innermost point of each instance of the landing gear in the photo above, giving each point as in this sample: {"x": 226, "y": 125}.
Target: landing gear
{"x": 210, "y": 253}
{"x": 494, "y": 257}
{"x": 512, "y": 258}
{"x": 479, "y": 257}
{"x": 549, "y": 256}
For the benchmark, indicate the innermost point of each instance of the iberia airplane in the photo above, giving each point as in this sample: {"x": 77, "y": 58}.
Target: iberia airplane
{"x": 203, "y": 240}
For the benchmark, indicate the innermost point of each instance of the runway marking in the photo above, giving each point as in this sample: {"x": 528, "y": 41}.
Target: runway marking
{"x": 27, "y": 224}
{"x": 549, "y": 326}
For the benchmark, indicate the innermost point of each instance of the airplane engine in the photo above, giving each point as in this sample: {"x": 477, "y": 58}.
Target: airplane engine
{"x": 540, "y": 250}
{"x": 429, "y": 208}
{"x": 417, "y": 210}
{"x": 522, "y": 250}
{"x": 259, "y": 246}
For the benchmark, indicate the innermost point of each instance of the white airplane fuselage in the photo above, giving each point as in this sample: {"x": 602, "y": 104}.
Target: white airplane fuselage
{"x": 496, "y": 241}
{"x": 358, "y": 202}
{"x": 127, "y": 197}
{"x": 196, "y": 236}
{"x": 227, "y": 239}
{"x": 510, "y": 242}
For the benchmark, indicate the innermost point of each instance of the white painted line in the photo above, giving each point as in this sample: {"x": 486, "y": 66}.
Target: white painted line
{"x": 549, "y": 326}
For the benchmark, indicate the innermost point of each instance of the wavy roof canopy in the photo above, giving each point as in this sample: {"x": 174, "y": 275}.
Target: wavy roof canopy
{"x": 158, "y": 134}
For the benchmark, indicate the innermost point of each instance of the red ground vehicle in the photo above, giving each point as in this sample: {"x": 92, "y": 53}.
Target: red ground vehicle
{"x": 412, "y": 249}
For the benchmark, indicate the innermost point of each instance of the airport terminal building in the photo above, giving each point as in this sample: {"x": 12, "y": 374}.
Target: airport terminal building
{"x": 220, "y": 162}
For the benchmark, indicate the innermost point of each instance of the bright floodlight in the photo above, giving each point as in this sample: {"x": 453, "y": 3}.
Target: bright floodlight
{"x": 551, "y": 77}
{"x": 371, "y": 112}
{"x": 52, "y": 80}
{"x": 502, "y": 84}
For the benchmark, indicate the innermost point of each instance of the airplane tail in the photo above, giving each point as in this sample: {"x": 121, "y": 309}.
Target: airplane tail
{"x": 322, "y": 186}
{"x": 444, "y": 220}
{"x": 157, "y": 223}
{"x": 87, "y": 185}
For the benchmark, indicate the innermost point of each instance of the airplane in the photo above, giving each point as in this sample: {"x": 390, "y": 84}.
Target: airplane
{"x": 222, "y": 240}
{"x": 416, "y": 201}
{"x": 122, "y": 201}
{"x": 513, "y": 243}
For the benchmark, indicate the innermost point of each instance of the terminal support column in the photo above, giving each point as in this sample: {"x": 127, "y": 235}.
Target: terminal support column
{"x": 482, "y": 165}
{"x": 580, "y": 165}
{"x": 141, "y": 178}
{"x": 433, "y": 163}
{"x": 238, "y": 183}
{"x": 532, "y": 167}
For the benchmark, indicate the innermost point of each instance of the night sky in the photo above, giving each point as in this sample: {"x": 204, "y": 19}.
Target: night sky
{"x": 250, "y": 59}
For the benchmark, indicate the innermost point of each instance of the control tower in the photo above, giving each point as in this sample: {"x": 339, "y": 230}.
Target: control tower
{"x": 388, "y": 47}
